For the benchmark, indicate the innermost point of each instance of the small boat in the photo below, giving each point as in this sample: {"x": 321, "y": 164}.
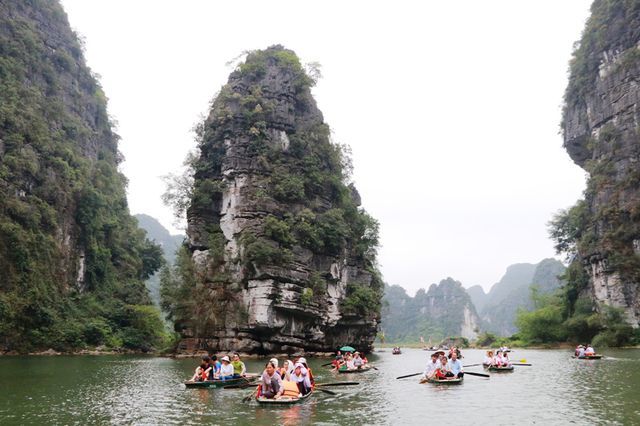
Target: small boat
{"x": 284, "y": 400}
{"x": 396, "y": 351}
{"x": 433, "y": 380}
{"x": 219, "y": 383}
{"x": 496, "y": 369}
{"x": 362, "y": 369}
{"x": 588, "y": 357}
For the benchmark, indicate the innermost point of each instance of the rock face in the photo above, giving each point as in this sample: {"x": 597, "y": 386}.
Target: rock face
{"x": 601, "y": 135}
{"x": 283, "y": 257}
{"x": 445, "y": 310}
{"x": 72, "y": 260}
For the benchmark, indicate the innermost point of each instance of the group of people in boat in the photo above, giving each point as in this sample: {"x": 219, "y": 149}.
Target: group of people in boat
{"x": 293, "y": 379}
{"x": 225, "y": 369}
{"x": 348, "y": 361}
{"x": 443, "y": 367}
{"x": 500, "y": 359}
{"x": 584, "y": 350}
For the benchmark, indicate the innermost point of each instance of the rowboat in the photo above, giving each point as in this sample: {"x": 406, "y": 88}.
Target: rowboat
{"x": 436, "y": 381}
{"x": 283, "y": 400}
{"x": 219, "y": 383}
{"x": 362, "y": 369}
{"x": 396, "y": 351}
{"x": 496, "y": 369}
{"x": 588, "y": 357}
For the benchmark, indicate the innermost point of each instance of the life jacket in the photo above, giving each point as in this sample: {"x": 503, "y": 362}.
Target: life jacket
{"x": 290, "y": 389}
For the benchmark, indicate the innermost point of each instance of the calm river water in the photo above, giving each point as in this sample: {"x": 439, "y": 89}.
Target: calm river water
{"x": 149, "y": 391}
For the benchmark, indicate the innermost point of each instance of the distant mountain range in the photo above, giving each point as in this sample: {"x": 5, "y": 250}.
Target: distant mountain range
{"x": 447, "y": 309}
{"x": 169, "y": 243}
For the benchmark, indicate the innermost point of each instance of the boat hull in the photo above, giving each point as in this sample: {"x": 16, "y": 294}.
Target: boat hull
{"x": 283, "y": 400}
{"x": 218, "y": 383}
{"x": 443, "y": 381}
{"x": 355, "y": 370}
{"x": 589, "y": 357}
{"x": 495, "y": 369}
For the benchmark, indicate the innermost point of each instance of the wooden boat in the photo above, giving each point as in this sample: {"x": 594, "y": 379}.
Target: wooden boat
{"x": 396, "y": 351}
{"x": 284, "y": 400}
{"x": 588, "y": 357}
{"x": 362, "y": 369}
{"x": 496, "y": 369}
{"x": 433, "y": 380}
{"x": 219, "y": 383}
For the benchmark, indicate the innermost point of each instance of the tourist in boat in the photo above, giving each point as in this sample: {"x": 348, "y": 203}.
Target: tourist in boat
{"x": 271, "y": 382}
{"x": 301, "y": 377}
{"x": 506, "y": 362}
{"x": 357, "y": 361}
{"x": 215, "y": 364}
{"x": 580, "y": 351}
{"x": 349, "y": 361}
{"x": 488, "y": 359}
{"x": 209, "y": 370}
{"x": 275, "y": 362}
{"x": 239, "y": 369}
{"x": 456, "y": 366}
{"x": 444, "y": 370}
{"x": 303, "y": 361}
{"x": 201, "y": 372}
{"x": 432, "y": 366}
{"x": 226, "y": 369}
{"x": 589, "y": 351}
{"x": 285, "y": 370}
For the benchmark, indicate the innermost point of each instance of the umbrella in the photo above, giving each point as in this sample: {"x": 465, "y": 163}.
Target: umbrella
{"x": 347, "y": 349}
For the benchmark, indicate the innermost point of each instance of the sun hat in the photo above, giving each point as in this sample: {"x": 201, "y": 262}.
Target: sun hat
{"x": 225, "y": 358}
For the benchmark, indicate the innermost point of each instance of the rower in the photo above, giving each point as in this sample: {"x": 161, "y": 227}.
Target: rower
{"x": 271, "y": 386}
{"x": 488, "y": 360}
{"x": 357, "y": 361}
{"x": 432, "y": 366}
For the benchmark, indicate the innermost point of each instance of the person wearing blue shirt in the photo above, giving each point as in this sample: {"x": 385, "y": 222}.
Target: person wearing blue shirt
{"x": 456, "y": 366}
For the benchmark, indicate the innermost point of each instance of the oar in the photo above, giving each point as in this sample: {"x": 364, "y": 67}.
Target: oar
{"x": 243, "y": 386}
{"x": 471, "y": 365}
{"x": 327, "y": 364}
{"x": 248, "y": 397}
{"x": 338, "y": 384}
{"x": 408, "y": 375}
{"x": 476, "y": 374}
{"x": 326, "y": 391}
{"x": 526, "y": 365}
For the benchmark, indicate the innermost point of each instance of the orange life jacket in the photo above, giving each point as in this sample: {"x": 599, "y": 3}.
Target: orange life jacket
{"x": 290, "y": 389}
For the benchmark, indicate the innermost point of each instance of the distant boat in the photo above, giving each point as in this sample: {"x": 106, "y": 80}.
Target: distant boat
{"x": 396, "y": 351}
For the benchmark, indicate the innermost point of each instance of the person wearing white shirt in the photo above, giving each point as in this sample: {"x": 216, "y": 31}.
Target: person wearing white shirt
{"x": 456, "y": 366}
{"x": 589, "y": 351}
{"x": 226, "y": 370}
{"x": 488, "y": 360}
{"x": 300, "y": 375}
{"x": 432, "y": 366}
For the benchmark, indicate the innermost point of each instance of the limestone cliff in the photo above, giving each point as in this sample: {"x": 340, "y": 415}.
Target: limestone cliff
{"x": 72, "y": 259}
{"x": 601, "y": 134}
{"x": 282, "y": 258}
{"x": 445, "y": 310}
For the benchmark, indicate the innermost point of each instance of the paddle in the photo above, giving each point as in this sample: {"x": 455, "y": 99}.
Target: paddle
{"x": 408, "y": 375}
{"x": 327, "y": 364}
{"x": 375, "y": 368}
{"x": 471, "y": 365}
{"x": 249, "y": 397}
{"x": 243, "y": 386}
{"x": 338, "y": 384}
{"x": 476, "y": 374}
{"x": 326, "y": 391}
{"x": 526, "y": 365}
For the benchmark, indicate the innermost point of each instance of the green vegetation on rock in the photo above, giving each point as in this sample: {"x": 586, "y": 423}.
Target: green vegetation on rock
{"x": 72, "y": 259}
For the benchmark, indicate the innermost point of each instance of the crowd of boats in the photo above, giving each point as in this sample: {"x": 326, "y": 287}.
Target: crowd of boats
{"x": 292, "y": 381}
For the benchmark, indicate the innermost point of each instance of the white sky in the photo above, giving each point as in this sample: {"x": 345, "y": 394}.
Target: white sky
{"x": 452, "y": 111}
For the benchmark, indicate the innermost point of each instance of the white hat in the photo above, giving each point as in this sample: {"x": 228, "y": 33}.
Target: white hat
{"x": 302, "y": 360}
{"x": 225, "y": 358}
{"x": 274, "y": 361}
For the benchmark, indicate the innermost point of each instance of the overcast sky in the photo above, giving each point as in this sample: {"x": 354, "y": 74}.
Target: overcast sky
{"x": 452, "y": 110}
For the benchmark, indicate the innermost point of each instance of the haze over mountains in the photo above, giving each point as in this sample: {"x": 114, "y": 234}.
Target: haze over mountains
{"x": 447, "y": 309}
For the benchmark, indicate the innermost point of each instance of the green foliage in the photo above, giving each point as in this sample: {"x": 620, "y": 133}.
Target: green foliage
{"x": 486, "y": 339}
{"x": 307, "y": 296}
{"x": 361, "y": 300}
{"x": 278, "y": 230}
{"x": 63, "y": 198}
{"x": 260, "y": 252}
